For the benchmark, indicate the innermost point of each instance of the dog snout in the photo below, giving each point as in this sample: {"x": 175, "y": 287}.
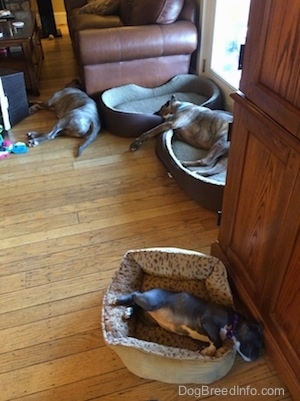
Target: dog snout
{"x": 250, "y": 352}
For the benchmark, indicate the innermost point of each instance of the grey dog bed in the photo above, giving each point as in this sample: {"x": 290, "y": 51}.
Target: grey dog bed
{"x": 128, "y": 110}
{"x": 208, "y": 191}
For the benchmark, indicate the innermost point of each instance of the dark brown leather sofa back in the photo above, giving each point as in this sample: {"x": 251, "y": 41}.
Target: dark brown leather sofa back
{"x": 146, "y": 42}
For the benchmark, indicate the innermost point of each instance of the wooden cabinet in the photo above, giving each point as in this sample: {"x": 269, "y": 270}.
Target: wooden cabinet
{"x": 259, "y": 238}
{"x": 271, "y": 70}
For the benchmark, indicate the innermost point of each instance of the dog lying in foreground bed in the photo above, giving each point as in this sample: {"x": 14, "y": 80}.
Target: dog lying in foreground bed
{"x": 78, "y": 116}
{"x": 198, "y": 126}
{"x": 185, "y": 314}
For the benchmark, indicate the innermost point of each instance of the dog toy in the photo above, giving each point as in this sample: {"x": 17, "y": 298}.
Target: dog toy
{"x": 4, "y": 154}
{"x": 7, "y": 147}
{"x": 19, "y": 147}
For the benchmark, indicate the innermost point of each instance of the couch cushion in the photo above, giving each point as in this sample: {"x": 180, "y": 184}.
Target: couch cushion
{"x": 101, "y": 7}
{"x": 80, "y": 21}
{"x": 144, "y": 12}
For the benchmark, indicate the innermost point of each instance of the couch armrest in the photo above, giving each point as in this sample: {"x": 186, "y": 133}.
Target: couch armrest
{"x": 98, "y": 46}
{"x": 70, "y": 4}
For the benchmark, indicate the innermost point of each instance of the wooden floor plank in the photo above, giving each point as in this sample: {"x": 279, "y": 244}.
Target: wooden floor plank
{"x": 57, "y": 307}
{"x": 50, "y": 350}
{"x": 57, "y": 373}
{"x": 53, "y": 291}
{"x": 48, "y": 329}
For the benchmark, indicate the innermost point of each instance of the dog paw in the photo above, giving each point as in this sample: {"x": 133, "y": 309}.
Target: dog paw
{"x": 195, "y": 163}
{"x": 204, "y": 162}
{"x": 127, "y": 313}
{"x": 31, "y": 134}
{"x": 190, "y": 163}
{"x": 208, "y": 351}
{"x": 33, "y": 142}
{"x": 227, "y": 345}
{"x": 186, "y": 164}
{"x": 34, "y": 108}
{"x": 134, "y": 146}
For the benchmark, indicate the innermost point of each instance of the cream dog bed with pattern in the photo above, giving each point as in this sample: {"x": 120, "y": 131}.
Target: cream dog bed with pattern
{"x": 150, "y": 351}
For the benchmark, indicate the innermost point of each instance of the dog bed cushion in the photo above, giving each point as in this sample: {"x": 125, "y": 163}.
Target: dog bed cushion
{"x": 128, "y": 110}
{"x": 152, "y": 352}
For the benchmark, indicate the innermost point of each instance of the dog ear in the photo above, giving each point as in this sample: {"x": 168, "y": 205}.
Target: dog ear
{"x": 257, "y": 327}
{"x": 257, "y": 331}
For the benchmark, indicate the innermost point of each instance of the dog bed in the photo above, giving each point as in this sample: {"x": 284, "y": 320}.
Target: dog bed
{"x": 150, "y": 351}
{"x": 207, "y": 190}
{"x": 128, "y": 110}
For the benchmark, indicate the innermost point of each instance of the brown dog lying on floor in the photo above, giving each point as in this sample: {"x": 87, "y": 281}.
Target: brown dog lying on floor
{"x": 196, "y": 125}
{"x": 78, "y": 116}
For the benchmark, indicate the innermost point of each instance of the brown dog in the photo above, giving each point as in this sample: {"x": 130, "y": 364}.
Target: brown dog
{"x": 78, "y": 116}
{"x": 196, "y": 125}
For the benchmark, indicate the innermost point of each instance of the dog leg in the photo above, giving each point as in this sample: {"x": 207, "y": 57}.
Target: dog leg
{"x": 207, "y": 171}
{"x": 125, "y": 300}
{"x": 159, "y": 129}
{"x": 39, "y": 105}
{"x": 35, "y": 139}
{"x": 149, "y": 300}
{"x": 218, "y": 150}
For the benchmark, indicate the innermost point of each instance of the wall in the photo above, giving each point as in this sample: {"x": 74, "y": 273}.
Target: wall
{"x": 59, "y": 12}
{"x": 58, "y": 6}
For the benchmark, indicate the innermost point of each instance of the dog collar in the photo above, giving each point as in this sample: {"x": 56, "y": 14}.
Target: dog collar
{"x": 232, "y": 329}
{"x": 183, "y": 106}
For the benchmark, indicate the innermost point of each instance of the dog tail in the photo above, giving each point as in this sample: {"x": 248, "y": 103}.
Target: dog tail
{"x": 94, "y": 131}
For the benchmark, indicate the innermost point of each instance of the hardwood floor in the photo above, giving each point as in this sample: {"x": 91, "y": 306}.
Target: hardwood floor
{"x": 66, "y": 224}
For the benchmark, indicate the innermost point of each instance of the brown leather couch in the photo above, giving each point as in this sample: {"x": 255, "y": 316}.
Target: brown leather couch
{"x": 145, "y": 42}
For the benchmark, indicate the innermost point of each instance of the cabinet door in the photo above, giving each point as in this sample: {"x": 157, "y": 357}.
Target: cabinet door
{"x": 283, "y": 317}
{"x": 271, "y": 68}
{"x": 262, "y": 176}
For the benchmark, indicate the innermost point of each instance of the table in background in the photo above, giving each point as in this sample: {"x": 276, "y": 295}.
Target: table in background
{"x": 21, "y": 48}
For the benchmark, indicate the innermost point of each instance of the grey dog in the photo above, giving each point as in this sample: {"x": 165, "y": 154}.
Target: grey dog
{"x": 78, "y": 117}
{"x": 185, "y": 314}
{"x": 196, "y": 125}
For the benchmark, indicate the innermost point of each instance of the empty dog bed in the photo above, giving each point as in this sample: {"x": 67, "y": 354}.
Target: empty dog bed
{"x": 207, "y": 190}
{"x": 150, "y": 351}
{"x": 128, "y": 110}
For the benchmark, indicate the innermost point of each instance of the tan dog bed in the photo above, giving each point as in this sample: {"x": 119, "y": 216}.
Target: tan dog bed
{"x": 150, "y": 351}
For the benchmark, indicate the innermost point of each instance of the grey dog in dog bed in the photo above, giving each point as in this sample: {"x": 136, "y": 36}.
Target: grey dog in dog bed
{"x": 198, "y": 126}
